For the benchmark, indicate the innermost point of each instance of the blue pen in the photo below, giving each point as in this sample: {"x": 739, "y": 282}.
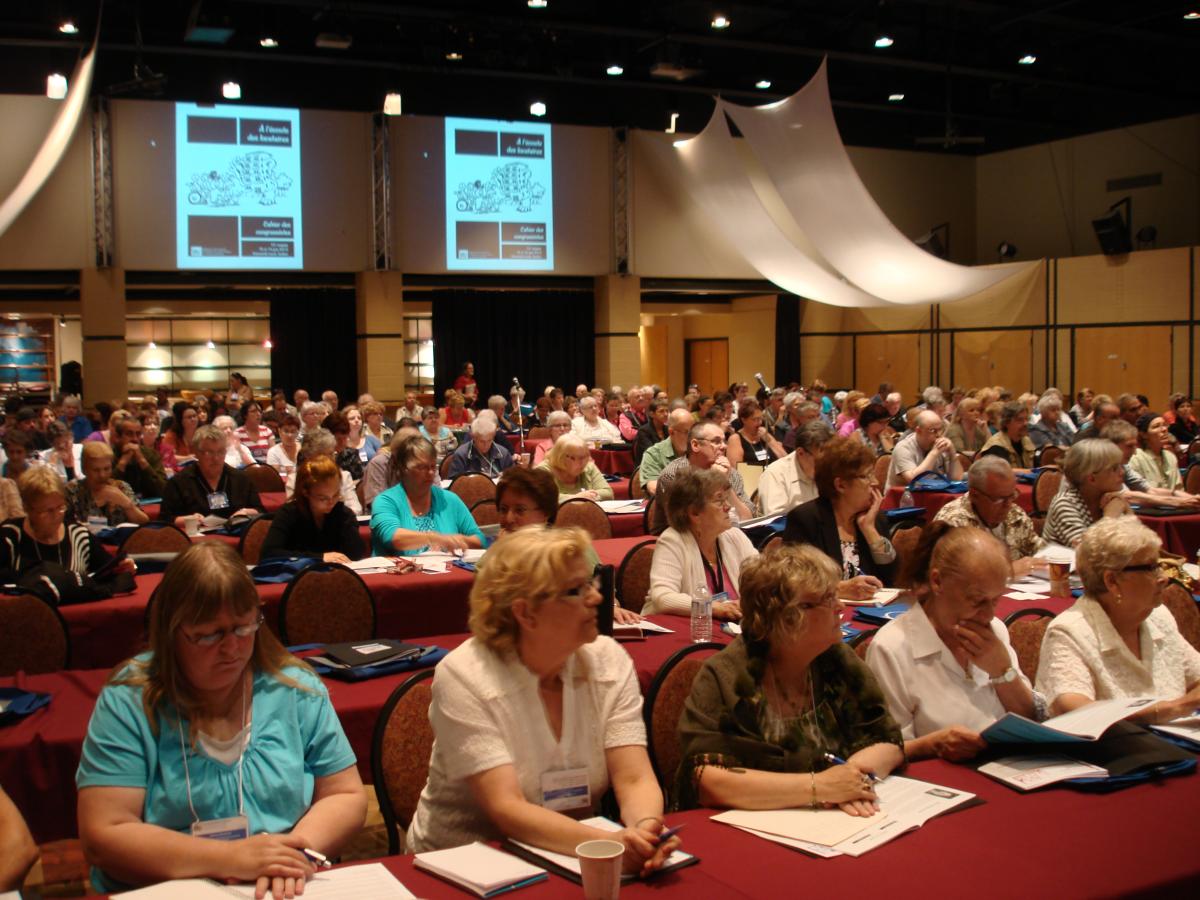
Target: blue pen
{"x": 838, "y": 761}
{"x": 670, "y": 833}
{"x": 319, "y": 860}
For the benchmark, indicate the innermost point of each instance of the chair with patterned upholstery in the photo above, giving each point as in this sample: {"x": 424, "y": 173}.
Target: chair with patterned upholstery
{"x": 538, "y": 433}
{"x": 266, "y": 479}
{"x": 326, "y": 604}
{"x": 444, "y": 467}
{"x": 484, "y": 512}
{"x": 33, "y": 636}
{"x": 769, "y": 541}
{"x": 1049, "y": 455}
{"x": 882, "y": 464}
{"x": 648, "y": 514}
{"x": 636, "y": 491}
{"x": 1191, "y": 479}
{"x": 580, "y": 512}
{"x": 471, "y": 487}
{"x": 633, "y": 576}
{"x": 156, "y": 537}
{"x": 1044, "y": 488}
{"x": 1179, "y": 600}
{"x": 251, "y": 541}
{"x": 400, "y": 753}
{"x": 664, "y": 702}
{"x": 904, "y": 538}
{"x": 1026, "y": 628}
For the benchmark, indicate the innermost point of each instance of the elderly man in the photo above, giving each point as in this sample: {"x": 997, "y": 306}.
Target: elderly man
{"x": 788, "y": 482}
{"x": 895, "y": 407}
{"x": 208, "y": 488}
{"x": 658, "y": 456}
{"x": 706, "y": 450}
{"x": 653, "y": 431}
{"x": 311, "y": 416}
{"x": 990, "y": 504}
{"x": 925, "y": 449}
{"x": 330, "y": 399}
{"x": 773, "y": 410}
{"x": 934, "y": 400}
{"x": 1130, "y": 407}
{"x": 299, "y": 398}
{"x": 411, "y": 408}
{"x": 1103, "y": 412}
{"x": 581, "y": 390}
{"x": 592, "y": 426}
{"x": 635, "y": 416}
{"x": 72, "y": 415}
{"x": 134, "y": 463}
{"x": 795, "y": 413}
{"x": 1051, "y": 428}
{"x": 483, "y": 453}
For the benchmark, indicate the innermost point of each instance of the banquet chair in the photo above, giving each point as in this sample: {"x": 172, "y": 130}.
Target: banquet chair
{"x": 33, "y": 636}
{"x": 769, "y": 540}
{"x": 400, "y": 751}
{"x": 1191, "y": 480}
{"x": 444, "y": 467}
{"x": 882, "y": 464}
{"x": 664, "y": 702}
{"x": 328, "y": 604}
{"x": 484, "y": 512}
{"x": 904, "y": 538}
{"x": 471, "y": 487}
{"x": 251, "y": 541}
{"x": 1179, "y": 600}
{"x": 633, "y": 576}
{"x": 964, "y": 460}
{"x": 156, "y": 537}
{"x": 1049, "y": 455}
{"x": 538, "y": 433}
{"x": 636, "y": 491}
{"x": 1044, "y": 488}
{"x": 648, "y": 514}
{"x": 581, "y": 512}
{"x": 1026, "y": 629}
{"x": 265, "y": 479}
{"x": 860, "y": 642}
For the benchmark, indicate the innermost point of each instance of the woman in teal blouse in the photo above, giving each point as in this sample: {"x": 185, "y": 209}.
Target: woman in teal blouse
{"x": 415, "y": 514}
{"x": 217, "y": 754}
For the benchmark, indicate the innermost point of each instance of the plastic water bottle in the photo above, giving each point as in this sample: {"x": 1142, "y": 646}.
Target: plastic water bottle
{"x": 906, "y": 499}
{"x": 701, "y": 615}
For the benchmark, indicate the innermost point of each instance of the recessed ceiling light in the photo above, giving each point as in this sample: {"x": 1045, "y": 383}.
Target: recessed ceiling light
{"x": 762, "y": 84}
{"x": 537, "y": 108}
{"x": 210, "y": 345}
{"x": 883, "y": 42}
{"x": 453, "y": 56}
{"x": 69, "y": 28}
{"x": 537, "y": 4}
{"x": 1192, "y": 15}
{"x": 56, "y": 86}
{"x": 391, "y": 104}
{"x": 231, "y": 90}
{"x": 615, "y": 70}
{"x": 895, "y": 98}
{"x": 267, "y": 345}
{"x": 720, "y": 22}
{"x": 153, "y": 346}
{"x": 268, "y": 42}
{"x": 1027, "y": 60}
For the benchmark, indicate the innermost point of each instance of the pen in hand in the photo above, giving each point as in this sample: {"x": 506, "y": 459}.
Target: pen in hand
{"x": 838, "y": 761}
{"x": 665, "y": 836}
{"x": 319, "y": 860}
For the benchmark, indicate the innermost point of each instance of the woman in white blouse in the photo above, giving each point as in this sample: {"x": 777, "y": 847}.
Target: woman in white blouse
{"x": 700, "y": 548}
{"x": 946, "y": 666}
{"x": 536, "y": 715}
{"x": 1118, "y": 640}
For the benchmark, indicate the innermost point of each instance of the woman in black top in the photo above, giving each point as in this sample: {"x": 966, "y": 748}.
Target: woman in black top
{"x": 315, "y": 522}
{"x": 752, "y": 443}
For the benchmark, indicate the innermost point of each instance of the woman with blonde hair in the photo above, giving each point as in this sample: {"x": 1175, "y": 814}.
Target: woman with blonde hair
{"x": 570, "y": 462}
{"x": 455, "y": 415}
{"x": 100, "y": 496}
{"x": 968, "y": 431}
{"x": 216, "y": 730}
{"x": 535, "y": 692}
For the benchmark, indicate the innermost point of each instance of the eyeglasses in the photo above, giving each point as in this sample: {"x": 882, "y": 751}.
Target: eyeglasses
{"x": 829, "y": 601}
{"x": 422, "y": 469}
{"x": 213, "y": 638}
{"x": 580, "y": 592}
{"x": 1144, "y": 567}
{"x": 214, "y": 452}
{"x": 60, "y": 510}
{"x": 1007, "y": 498}
{"x": 721, "y": 502}
{"x": 716, "y": 442}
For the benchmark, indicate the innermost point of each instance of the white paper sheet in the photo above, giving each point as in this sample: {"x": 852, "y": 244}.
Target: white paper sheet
{"x": 1027, "y": 773}
{"x": 352, "y": 883}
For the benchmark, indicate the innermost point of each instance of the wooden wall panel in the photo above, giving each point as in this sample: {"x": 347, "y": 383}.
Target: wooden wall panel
{"x": 708, "y": 364}
{"x": 1141, "y": 287}
{"x": 888, "y": 357}
{"x": 827, "y": 358}
{"x": 1127, "y": 358}
{"x": 653, "y": 342}
{"x": 984, "y": 358}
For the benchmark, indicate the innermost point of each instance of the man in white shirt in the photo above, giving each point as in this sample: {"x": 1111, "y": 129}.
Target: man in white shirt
{"x": 591, "y": 426}
{"x": 926, "y": 449}
{"x": 788, "y": 482}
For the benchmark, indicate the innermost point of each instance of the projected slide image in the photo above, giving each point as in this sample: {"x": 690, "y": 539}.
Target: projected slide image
{"x": 499, "y": 197}
{"x": 238, "y": 181}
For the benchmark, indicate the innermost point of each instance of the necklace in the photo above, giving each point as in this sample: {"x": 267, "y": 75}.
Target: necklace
{"x": 795, "y": 705}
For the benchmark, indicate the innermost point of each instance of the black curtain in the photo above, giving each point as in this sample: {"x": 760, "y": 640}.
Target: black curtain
{"x": 540, "y": 337}
{"x": 313, "y": 343}
{"x": 787, "y": 339}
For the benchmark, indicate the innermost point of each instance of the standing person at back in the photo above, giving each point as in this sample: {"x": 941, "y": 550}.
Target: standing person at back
{"x": 926, "y": 449}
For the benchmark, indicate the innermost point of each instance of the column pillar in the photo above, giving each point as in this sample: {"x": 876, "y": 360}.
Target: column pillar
{"x": 618, "y": 317}
{"x": 102, "y": 324}
{"x": 379, "y": 325}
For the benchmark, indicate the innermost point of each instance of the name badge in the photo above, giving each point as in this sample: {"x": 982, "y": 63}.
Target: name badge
{"x": 565, "y": 790}
{"x": 362, "y": 454}
{"x": 235, "y": 828}
{"x": 218, "y": 500}
{"x": 761, "y": 454}
{"x": 721, "y": 597}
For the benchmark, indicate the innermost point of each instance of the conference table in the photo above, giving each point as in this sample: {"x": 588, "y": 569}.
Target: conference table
{"x": 1180, "y": 534}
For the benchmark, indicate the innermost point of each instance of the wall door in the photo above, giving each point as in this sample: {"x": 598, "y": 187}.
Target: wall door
{"x": 707, "y": 364}
{"x": 887, "y": 357}
{"x": 988, "y": 358}
{"x": 1133, "y": 358}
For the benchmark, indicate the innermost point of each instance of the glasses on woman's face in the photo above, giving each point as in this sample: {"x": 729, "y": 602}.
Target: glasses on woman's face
{"x": 211, "y": 639}
{"x": 581, "y": 592}
{"x": 720, "y": 501}
{"x": 827, "y": 601}
{"x": 422, "y": 469}
{"x": 48, "y": 512}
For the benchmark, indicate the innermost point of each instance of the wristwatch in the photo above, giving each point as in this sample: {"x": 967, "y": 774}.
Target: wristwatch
{"x": 1007, "y": 676}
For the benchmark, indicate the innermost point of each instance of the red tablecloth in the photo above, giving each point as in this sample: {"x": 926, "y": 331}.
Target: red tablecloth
{"x": 1180, "y": 534}
{"x": 935, "y": 500}
{"x": 613, "y": 462}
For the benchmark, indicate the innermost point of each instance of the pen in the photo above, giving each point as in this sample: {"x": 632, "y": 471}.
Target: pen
{"x": 670, "y": 833}
{"x": 838, "y": 761}
{"x": 318, "y": 859}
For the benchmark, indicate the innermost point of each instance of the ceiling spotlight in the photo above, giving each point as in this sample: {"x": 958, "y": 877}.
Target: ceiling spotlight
{"x": 268, "y": 42}
{"x": 267, "y": 344}
{"x": 62, "y": 323}
{"x": 615, "y": 70}
{"x": 537, "y": 4}
{"x": 1027, "y": 60}
{"x": 231, "y": 90}
{"x": 883, "y": 42}
{"x": 1005, "y": 250}
{"x": 153, "y": 346}
{"x": 391, "y": 104}
{"x": 762, "y": 84}
{"x": 72, "y": 28}
{"x": 56, "y": 86}
{"x": 895, "y": 98}
{"x": 720, "y": 22}
{"x": 537, "y": 108}
{"x": 210, "y": 345}
{"x": 1192, "y": 15}
{"x": 453, "y": 56}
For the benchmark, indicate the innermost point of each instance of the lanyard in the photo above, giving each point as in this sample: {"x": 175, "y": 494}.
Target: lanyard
{"x": 485, "y": 462}
{"x": 717, "y": 577}
{"x": 241, "y": 755}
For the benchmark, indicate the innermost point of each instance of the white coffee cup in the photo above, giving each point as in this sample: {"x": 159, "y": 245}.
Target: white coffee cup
{"x": 600, "y": 865}
{"x": 191, "y": 526}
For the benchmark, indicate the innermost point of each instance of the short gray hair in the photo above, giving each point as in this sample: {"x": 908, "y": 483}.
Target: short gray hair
{"x": 1108, "y": 546}
{"x": 483, "y": 426}
{"x": 1089, "y": 456}
{"x": 496, "y": 400}
{"x": 311, "y": 406}
{"x": 208, "y": 434}
{"x": 587, "y": 401}
{"x": 558, "y": 417}
{"x": 984, "y": 468}
{"x": 793, "y": 397}
{"x": 932, "y": 395}
{"x": 1010, "y": 411}
{"x": 1049, "y": 401}
{"x": 812, "y": 435}
{"x": 317, "y": 442}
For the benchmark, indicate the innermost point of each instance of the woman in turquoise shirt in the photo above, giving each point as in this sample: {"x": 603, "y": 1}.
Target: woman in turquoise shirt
{"x": 217, "y": 732}
{"x": 415, "y": 514}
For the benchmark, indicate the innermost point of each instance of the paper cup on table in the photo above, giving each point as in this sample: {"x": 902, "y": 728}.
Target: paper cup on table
{"x": 191, "y": 527}
{"x": 600, "y": 866}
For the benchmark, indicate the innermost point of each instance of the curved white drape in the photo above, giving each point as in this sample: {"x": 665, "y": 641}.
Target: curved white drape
{"x": 55, "y": 144}
{"x": 797, "y": 142}
{"x": 715, "y": 178}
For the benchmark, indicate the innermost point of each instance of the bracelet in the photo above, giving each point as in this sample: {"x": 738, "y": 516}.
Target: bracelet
{"x": 813, "y": 803}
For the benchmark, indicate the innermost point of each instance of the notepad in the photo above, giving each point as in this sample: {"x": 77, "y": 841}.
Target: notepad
{"x": 1080, "y": 725}
{"x": 1028, "y": 773}
{"x": 350, "y": 883}
{"x": 480, "y": 869}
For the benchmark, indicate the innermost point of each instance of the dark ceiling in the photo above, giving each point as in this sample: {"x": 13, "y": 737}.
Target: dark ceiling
{"x": 1100, "y": 63}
